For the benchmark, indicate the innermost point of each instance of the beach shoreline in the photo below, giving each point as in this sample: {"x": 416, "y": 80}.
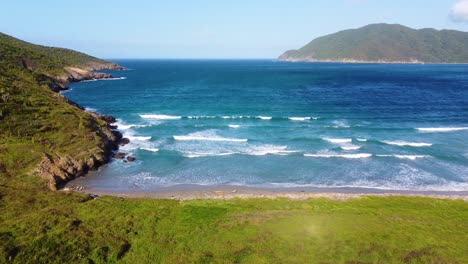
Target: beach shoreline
{"x": 227, "y": 192}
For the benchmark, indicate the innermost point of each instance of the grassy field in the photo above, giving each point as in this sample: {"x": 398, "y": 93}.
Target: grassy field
{"x": 38, "y": 226}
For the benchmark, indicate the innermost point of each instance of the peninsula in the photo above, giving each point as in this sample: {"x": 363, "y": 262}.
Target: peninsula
{"x": 385, "y": 43}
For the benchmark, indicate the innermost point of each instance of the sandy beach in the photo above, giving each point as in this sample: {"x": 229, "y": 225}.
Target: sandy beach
{"x": 192, "y": 192}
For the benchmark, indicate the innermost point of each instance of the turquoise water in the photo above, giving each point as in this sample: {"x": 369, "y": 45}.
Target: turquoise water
{"x": 271, "y": 124}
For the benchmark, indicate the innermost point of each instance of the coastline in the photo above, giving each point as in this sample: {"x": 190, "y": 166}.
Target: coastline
{"x": 227, "y": 192}
{"x": 345, "y": 61}
{"x": 59, "y": 170}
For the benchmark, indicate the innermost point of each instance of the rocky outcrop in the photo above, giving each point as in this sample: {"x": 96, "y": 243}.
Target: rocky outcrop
{"x": 58, "y": 170}
{"x": 75, "y": 74}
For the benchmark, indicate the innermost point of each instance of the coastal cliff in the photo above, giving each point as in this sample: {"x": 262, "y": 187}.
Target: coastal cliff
{"x": 42, "y": 133}
{"x": 384, "y": 43}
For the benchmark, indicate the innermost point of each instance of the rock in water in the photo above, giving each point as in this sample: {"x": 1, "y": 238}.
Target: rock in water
{"x": 124, "y": 141}
{"x": 119, "y": 155}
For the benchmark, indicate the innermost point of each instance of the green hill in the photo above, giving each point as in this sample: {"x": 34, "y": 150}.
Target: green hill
{"x": 62, "y": 64}
{"x": 385, "y": 43}
{"x": 41, "y": 132}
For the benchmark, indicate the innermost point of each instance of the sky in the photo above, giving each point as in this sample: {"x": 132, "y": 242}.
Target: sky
{"x": 210, "y": 28}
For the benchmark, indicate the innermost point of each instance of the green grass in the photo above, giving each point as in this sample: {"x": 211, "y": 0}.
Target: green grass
{"x": 35, "y": 121}
{"x": 56, "y": 227}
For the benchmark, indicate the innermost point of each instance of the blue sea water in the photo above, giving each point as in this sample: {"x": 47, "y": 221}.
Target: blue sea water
{"x": 275, "y": 124}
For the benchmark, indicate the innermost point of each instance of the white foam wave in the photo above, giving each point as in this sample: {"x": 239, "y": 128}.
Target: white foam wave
{"x": 209, "y": 135}
{"x": 338, "y": 140}
{"x": 441, "y": 129}
{"x": 299, "y": 118}
{"x": 113, "y": 79}
{"x": 351, "y": 147}
{"x": 139, "y": 138}
{"x": 269, "y": 149}
{"x": 361, "y": 139}
{"x": 125, "y": 127}
{"x": 410, "y": 157}
{"x": 160, "y": 117}
{"x": 261, "y": 150}
{"x": 89, "y": 109}
{"x": 234, "y": 126}
{"x": 150, "y": 149}
{"x": 201, "y": 117}
{"x": 265, "y": 117}
{"x": 346, "y": 156}
{"x": 404, "y": 143}
{"x": 201, "y": 154}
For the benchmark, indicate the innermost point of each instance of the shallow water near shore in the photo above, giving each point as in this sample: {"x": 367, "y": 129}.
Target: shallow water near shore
{"x": 265, "y": 124}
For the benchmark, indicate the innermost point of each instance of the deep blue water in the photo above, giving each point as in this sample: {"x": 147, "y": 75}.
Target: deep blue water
{"x": 272, "y": 124}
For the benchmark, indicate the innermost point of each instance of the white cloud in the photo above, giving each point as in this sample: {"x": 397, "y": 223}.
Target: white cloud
{"x": 459, "y": 11}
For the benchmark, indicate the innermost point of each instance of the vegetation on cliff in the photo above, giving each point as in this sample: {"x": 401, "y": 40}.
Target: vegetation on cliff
{"x": 385, "y": 43}
{"x": 41, "y": 132}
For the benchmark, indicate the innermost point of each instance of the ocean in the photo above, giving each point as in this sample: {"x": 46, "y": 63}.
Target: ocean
{"x": 268, "y": 124}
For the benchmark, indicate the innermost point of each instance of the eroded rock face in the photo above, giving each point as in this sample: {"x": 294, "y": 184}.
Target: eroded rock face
{"x": 60, "y": 169}
{"x": 108, "y": 119}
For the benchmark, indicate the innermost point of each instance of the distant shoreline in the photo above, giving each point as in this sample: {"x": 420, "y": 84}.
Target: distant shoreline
{"x": 370, "y": 62}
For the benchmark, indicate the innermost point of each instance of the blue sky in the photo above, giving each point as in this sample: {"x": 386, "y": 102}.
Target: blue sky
{"x": 210, "y": 28}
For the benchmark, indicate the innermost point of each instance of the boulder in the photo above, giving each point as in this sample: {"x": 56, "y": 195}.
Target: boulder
{"x": 119, "y": 155}
{"x": 131, "y": 158}
{"x": 124, "y": 141}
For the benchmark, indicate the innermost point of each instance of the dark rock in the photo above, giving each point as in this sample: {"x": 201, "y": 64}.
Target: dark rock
{"x": 119, "y": 155}
{"x": 108, "y": 119}
{"x": 131, "y": 158}
{"x": 124, "y": 141}
{"x": 112, "y": 126}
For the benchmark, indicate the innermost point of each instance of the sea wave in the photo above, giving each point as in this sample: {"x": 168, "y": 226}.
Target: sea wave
{"x": 410, "y": 157}
{"x": 122, "y": 126}
{"x": 90, "y": 109}
{"x": 338, "y": 140}
{"x": 299, "y": 118}
{"x": 361, "y": 139}
{"x": 441, "y": 129}
{"x": 160, "y": 117}
{"x": 405, "y": 143}
{"x": 346, "y": 156}
{"x": 209, "y": 135}
{"x": 351, "y": 147}
{"x": 260, "y": 150}
{"x": 201, "y": 117}
{"x": 234, "y": 126}
{"x": 207, "y": 154}
{"x": 171, "y": 117}
{"x": 113, "y": 79}
{"x": 150, "y": 149}
{"x": 140, "y": 138}
{"x": 201, "y": 138}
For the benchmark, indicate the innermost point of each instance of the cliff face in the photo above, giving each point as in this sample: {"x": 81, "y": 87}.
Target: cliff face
{"x": 41, "y": 132}
{"x": 384, "y": 43}
{"x": 58, "y": 169}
